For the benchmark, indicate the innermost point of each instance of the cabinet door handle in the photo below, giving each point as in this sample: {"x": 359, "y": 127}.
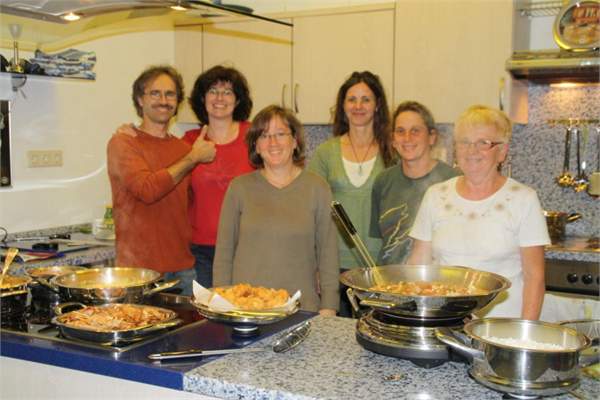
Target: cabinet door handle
{"x": 296, "y": 87}
{"x": 283, "y": 89}
{"x": 501, "y": 94}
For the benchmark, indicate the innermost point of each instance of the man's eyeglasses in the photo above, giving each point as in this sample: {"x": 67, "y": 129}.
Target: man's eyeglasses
{"x": 279, "y": 136}
{"x": 480, "y": 145}
{"x": 216, "y": 92}
{"x": 157, "y": 94}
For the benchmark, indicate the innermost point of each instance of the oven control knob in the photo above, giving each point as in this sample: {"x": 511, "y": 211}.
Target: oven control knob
{"x": 587, "y": 279}
{"x": 572, "y": 277}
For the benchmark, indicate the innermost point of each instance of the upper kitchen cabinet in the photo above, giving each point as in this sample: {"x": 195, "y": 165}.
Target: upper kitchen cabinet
{"x": 329, "y": 47}
{"x": 262, "y": 51}
{"x": 451, "y": 54}
{"x": 188, "y": 59}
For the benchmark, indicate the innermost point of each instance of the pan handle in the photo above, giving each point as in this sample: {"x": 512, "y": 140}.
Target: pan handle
{"x": 447, "y": 336}
{"x": 58, "y": 310}
{"x": 46, "y": 284}
{"x": 340, "y": 213}
{"x": 161, "y": 286}
{"x": 352, "y": 299}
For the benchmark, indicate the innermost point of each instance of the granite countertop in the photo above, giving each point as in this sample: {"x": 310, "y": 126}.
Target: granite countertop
{"x": 103, "y": 253}
{"x": 330, "y": 364}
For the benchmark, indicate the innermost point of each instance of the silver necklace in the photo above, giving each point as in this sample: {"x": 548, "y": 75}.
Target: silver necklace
{"x": 360, "y": 163}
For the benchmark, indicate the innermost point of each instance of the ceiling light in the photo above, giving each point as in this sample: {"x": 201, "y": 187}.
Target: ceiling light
{"x": 71, "y": 17}
{"x": 178, "y": 7}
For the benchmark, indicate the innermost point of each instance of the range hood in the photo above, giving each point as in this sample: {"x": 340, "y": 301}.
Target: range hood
{"x": 553, "y": 66}
{"x": 60, "y": 10}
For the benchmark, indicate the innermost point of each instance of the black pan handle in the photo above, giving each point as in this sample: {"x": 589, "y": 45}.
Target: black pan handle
{"x": 343, "y": 217}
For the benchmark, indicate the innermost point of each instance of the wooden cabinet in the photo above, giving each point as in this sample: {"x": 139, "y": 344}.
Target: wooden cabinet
{"x": 262, "y": 51}
{"x": 451, "y": 54}
{"x": 328, "y": 48}
{"x": 446, "y": 54}
{"x": 188, "y": 60}
{"x": 305, "y": 77}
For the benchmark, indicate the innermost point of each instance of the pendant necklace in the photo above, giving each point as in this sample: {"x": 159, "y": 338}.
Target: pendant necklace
{"x": 360, "y": 163}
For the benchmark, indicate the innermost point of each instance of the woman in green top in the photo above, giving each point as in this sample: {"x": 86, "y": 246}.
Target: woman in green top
{"x": 398, "y": 191}
{"x": 352, "y": 159}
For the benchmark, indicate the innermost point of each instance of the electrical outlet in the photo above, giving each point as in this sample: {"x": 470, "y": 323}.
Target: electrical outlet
{"x": 44, "y": 158}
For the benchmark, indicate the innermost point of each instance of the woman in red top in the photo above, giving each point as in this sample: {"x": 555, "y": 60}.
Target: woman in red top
{"x": 221, "y": 101}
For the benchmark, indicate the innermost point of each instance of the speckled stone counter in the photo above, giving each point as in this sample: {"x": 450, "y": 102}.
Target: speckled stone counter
{"x": 330, "y": 364}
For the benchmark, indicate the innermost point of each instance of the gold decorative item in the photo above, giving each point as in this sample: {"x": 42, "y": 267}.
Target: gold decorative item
{"x": 15, "y": 63}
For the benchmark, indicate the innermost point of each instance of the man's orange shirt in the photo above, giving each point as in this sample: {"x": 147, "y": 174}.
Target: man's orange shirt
{"x": 150, "y": 212}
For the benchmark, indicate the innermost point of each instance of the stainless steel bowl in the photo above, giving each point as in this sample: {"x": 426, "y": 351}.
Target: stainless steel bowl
{"x": 361, "y": 280}
{"x": 110, "y": 285}
{"x": 515, "y": 369}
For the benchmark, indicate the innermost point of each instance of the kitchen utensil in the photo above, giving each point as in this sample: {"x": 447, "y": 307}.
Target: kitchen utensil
{"x": 13, "y": 296}
{"x": 8, "y": 259}
{"x": 42, "y": 238}
{"x": 342, "y": 217}
{"x": 594, "y": 186}
{"x": 515, "y": 369}
{"x": 113, "y": 337}
{"x": 580, "y": 182}
{"x": 284, "y": 343}
{"x": 557, "y": 221}
{"x": 110, "y": 285}
{"x": 565, "y": 179}
{"x": 361, "y": 280}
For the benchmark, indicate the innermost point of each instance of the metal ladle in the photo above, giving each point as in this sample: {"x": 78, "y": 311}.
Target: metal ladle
{"x": 8, "y": 259}
{"x": 284, "y": 343}
{"x": 580, "y": 183}
{"x": 565, "y": 179}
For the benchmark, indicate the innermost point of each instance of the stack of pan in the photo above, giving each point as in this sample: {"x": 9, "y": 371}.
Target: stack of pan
{"x": 404, "y": 326}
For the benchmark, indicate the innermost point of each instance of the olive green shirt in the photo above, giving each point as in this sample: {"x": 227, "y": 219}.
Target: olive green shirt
{"x": 327, "y": 162}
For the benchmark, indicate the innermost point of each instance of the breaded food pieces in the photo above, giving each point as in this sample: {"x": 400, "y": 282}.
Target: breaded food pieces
{"x": 248, "y": 297}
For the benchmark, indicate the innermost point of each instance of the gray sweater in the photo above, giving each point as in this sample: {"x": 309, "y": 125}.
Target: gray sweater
{"x": 280, "y": 238}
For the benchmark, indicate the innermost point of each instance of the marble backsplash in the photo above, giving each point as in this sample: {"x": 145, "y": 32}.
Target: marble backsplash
{"x": 537, "y": 149}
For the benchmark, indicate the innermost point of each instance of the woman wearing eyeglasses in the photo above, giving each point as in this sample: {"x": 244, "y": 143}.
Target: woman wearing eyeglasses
{"x": 275, "y": 228}
{"x": 221, "y": 101}
{"x": 485, "y": 220}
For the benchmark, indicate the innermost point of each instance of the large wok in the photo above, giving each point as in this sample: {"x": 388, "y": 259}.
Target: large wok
{"x": 110, "y": 285}
{"x": 361, "y": 280}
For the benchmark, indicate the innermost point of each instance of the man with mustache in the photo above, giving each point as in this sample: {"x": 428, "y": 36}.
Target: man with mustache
{"x": 149, "y": 182}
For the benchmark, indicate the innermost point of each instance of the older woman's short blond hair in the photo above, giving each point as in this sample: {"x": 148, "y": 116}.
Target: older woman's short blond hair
{"x": 478, "y": 115}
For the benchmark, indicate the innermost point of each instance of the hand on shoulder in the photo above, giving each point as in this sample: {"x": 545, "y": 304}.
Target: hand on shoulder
{"x": 126, "y": 129}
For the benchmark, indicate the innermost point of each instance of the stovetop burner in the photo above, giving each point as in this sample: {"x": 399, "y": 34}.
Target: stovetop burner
{"x": 406, "y": 337}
